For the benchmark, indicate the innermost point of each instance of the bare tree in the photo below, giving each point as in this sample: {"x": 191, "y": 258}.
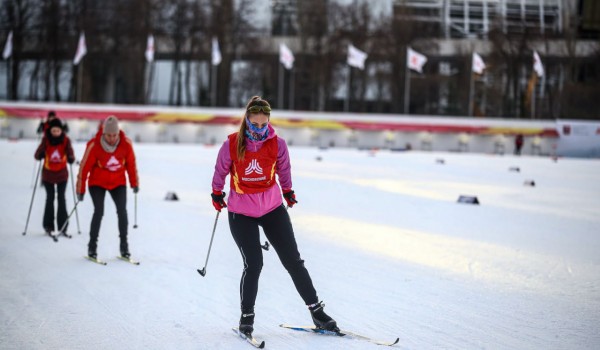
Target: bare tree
{"x": 313, "y": 63}
{"x": 16, "y": 15}
{"x": 232, "y": 23}
{"x": 351, "y": 24}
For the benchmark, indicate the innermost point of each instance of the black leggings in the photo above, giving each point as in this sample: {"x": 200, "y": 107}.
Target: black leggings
{"x": 119, "y": 196}
{"x": 61, "y": 213}
{"x": 278, "y": 229}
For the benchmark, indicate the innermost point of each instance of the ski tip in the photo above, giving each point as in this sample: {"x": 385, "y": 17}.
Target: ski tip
{"x": 131, "y": 261}
{"x": 99, "y": 262}
{"x": 251, "y": 340}
{"x": 396, "y": 342}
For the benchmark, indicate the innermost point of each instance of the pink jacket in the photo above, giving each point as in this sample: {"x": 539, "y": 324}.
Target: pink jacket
{"x": 255, "y": 204}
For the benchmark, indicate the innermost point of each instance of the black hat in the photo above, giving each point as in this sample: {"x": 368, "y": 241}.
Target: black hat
{"x": 55, "y": 122}
{"x": 51, "y": 114}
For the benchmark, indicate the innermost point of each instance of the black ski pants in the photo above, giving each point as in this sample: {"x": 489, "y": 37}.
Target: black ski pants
{"x": 119, "y": 196}
{"x": 61, "y": 213}
{"x": 278, "y": 229}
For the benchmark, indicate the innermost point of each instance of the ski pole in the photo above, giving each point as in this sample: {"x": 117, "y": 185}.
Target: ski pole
{"x": 32, "y": 196}
{"x": 69, "y": 216}
{"x": 203, "y": 271}
{"x": 135, "y": 211}
{"x": 33, "y": 173}
{"x": 74, "y": 199}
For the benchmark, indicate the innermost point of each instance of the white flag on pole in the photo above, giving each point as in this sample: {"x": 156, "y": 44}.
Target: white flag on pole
{"x": 415, "y": 60}
{"x": 286, "y": 57}
{"x": 8, "y": 46}
{"x": 216, "y": 52}
{"x": 478, "y": 64}
{"x": 356, "y": 57}
{"x": 81, "y": 49}
{"x": 538, "y": 67}
{"x": 150, "y": 49}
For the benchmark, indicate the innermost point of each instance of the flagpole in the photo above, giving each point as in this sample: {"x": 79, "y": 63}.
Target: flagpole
{"x": 280, "y": 93}
{"x": 347, "y": 101}
{"x": 8, "y": 78}
{"x": 214, "y": 85}
{"x": 406, "y": 87}
{"x": 149, "y": 82}
{"x": 533, "y": 101}
{"x": 471, "y": 88}
{"x": 291, "y": 102}
{"x": 79, "y": 73}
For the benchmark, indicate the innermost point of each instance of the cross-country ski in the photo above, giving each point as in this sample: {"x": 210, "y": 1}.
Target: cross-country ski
{"x": 129, "y": 260}
{"x": 96, "y": 260}
{"x": 52, "y": 236}
{"x": 340, "y": 333}
{"x": 249, "y": 338}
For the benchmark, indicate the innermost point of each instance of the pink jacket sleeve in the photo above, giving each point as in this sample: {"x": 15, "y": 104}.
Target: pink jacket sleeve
{"x": 284, "y": 167}
{"x": 222, "y": 167}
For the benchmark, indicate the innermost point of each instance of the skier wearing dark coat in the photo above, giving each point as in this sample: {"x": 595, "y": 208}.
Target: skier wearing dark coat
{"x": 45, "y": 124}
{"x": 56, "y": 151}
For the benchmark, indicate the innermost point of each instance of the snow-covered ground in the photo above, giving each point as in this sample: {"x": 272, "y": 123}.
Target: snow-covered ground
{"x": 390, "y": 251}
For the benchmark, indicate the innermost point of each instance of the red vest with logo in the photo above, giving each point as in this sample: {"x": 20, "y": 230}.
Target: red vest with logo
{"x": 256, "y": 172}
{"x": 55, "y": 156}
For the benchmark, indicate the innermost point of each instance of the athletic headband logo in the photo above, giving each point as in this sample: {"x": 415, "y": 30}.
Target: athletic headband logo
{"x": 253, "y": 167}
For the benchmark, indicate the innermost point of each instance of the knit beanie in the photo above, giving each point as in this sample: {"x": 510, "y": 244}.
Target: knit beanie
{"x": 55, "y": 123}
{"x": 111, "y": 125}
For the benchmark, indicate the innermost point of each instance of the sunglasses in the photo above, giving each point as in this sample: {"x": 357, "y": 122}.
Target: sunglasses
{"x": 258, "y": 109}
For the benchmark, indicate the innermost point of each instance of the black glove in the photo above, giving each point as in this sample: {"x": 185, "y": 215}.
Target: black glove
{"x": 136, "y": 189}
{"x": 218, "y": 200}
{"x": 71, "y": 160}
{"x": 80, "y": 197}
{"x": 290, "y": 197}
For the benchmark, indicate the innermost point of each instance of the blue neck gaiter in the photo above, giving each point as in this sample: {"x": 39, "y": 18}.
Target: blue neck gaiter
{"x": 256, "y": 134}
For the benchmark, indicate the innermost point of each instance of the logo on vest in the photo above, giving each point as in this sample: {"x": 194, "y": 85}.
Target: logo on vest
{"x": 113, "y": 164}
{"x": 253, "y": 167}
{"x": 55, "y": 157}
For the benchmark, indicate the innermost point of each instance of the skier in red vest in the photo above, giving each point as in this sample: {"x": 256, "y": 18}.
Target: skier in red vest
{"x": 108, "y": 156}
{"x": 45, "y": 124}
{"x": 252, "y": 157}
{"x": 56, "y": 151}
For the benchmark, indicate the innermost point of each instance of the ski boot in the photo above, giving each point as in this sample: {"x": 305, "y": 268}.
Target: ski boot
{"x": 321, "y": 319}
{"x": 247, "y": 323}
{"x": 125, "y": 254}
{"x": 125, "y": 250}
{"x": 92, "y": 254}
